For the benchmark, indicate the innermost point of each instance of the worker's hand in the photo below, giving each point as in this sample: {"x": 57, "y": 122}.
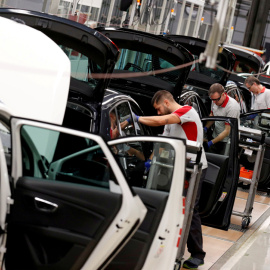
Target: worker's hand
{"x": 251, "y": 116}
{"x": 205, "y": 132}
{"x": 210, "y": 143}
{"x": 135, "y": 118}
{"x": 147, "y": 165}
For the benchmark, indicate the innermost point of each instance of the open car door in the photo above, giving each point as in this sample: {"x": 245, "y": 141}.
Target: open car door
{"x": 259, "y": 120}
{"x": 155, "y": 243}
{"x": 72, "y": 207}
{"x": 220, "y": 184}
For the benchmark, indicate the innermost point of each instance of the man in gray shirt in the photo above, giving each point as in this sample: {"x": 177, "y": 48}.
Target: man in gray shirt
{"x": 261, "y": 95}
{"x": 222, "y": 105}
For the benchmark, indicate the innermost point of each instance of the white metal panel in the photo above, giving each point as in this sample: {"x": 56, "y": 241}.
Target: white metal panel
{"x": 162, "y": 253}
{"x": 163, "y": 250}
{"x": 34, "y": 73}
{"x": 131, "y": 213}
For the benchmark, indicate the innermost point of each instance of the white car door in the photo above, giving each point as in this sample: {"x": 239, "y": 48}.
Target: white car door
{"x": 73, "y": 208}
{"x": 155, "y": 244}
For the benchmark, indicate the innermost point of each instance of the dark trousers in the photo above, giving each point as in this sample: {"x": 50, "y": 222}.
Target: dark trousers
{"x": 195, "y": 240}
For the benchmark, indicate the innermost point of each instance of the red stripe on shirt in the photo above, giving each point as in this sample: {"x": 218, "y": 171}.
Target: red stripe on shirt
{"x": 182, "y": 110}
{"x": 190, "y": 128}
{"x": 225, "y": 101}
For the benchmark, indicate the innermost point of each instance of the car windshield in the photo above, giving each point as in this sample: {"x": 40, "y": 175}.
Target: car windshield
{"x": 215, "y": 73}
{"x": 136, "y": 61}
{"x": 81, "y": 66}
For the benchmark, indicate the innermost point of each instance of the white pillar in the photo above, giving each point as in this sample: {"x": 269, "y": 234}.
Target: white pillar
{"x": 180, "y": 21}
{"x": 198, "y": 22}
{"x": 132, "y": 13}
{"x": 161, "y": 18}
{"x": 189, "y": 19}
{"x": 109, "y": 17}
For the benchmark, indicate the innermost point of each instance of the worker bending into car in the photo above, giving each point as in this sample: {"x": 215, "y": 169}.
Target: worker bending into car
{"x": 261, "y": 95}
{"x": 183, "y": 122}
{"x": 222, "y": 105}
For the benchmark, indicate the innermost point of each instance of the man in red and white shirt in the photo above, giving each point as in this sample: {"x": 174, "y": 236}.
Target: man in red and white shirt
{"x": 261, "y": 95}
{"x": 222, "y": 105}
{"x": 182, "y": 122}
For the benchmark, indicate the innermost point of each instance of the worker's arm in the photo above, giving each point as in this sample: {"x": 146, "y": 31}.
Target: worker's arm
{"x": 134, "y": 152}
{"x": 155, "y": 121}
{"x": 223, "y": 134}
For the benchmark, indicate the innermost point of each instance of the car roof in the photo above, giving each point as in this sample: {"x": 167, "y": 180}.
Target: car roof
{"x": 76, "y": 40}
{"x": 36, "y": 89}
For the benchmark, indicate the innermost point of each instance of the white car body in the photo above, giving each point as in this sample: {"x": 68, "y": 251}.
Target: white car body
{"x": 35, "y": 75}
{"x": 35, "y": 71}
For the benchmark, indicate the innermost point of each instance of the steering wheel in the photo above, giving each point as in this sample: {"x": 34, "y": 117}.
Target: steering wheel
{"x": 129, "y": 65}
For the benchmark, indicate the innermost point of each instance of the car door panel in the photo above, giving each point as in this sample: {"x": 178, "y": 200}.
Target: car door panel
{"x": 50, "y": 231}
{"x": 213, "y": 182}
{"x": 128, "y": 258}
{"x": 66, "y": 224}
{"x": 220, "y": 184}
{"x": 154, "y": 245}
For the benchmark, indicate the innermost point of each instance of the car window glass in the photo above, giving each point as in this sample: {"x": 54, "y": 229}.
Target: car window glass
{"x": 156, "y": 175}
{"x": 140, "y": 128}
{"x": 81, "y": 66}
{"x": 244, "y": 65}
{"x": 215, "y": 73}
{"x": 137, "y": 61}
{"x": 124, "y": 114}
{"x": 53, "y": 155}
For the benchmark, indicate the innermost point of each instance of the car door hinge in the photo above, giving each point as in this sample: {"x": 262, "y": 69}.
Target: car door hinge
{"x": 10, "y": 201}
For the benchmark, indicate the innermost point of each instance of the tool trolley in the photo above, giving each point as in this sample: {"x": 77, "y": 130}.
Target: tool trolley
{"x": 251, "y": 144}
{"x": 194, "y": 170}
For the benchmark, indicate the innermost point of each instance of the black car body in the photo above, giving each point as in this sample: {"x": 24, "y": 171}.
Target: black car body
{"x": 247, "y": 63}
{"x": 64, "y": 241}
{"x": 91, "y": 101}
{"x": 201, "y": 78}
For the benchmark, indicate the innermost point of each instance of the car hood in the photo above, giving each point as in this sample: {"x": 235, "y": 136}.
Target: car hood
{"x": 33, "y": 85}
{"x": 200, "y": 75}
{"x": 89, "y": 51}
{"x": 144, "y": 52}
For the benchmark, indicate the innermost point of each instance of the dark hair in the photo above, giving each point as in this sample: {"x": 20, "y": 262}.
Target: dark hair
{"x": 251, "y": 79}
{"x": 160, "y": 96}
{"x": 215, "y": 88}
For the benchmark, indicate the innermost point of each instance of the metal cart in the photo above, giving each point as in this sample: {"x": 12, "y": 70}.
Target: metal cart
{"x": 251, "y": 141}
{"x": 195, "y": 170}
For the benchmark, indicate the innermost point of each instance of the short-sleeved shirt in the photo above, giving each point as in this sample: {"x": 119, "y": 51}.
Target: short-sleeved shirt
{"x": 189, "y": 128}
{"x": 229, "y": 108}
{"x": 262, "y": 100}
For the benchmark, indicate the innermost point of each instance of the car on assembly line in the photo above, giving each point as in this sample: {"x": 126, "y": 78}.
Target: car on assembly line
{"x": 144, "y": 53}
{"x": 200, "y": 77}
{"x": 66, "y": 201}
{"x": 74, "y": 159}
{"x": 247, "y": 63}
{"x": 233, "y": 82}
